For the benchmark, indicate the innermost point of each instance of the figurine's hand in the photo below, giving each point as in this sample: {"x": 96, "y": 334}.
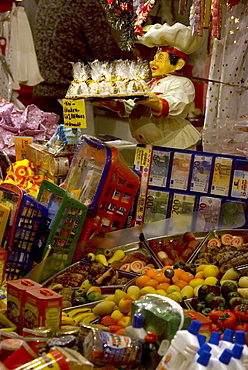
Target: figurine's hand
{"x": 139, "y": 111}
{"x": 152, "y": 102}
{"x": 110, "y": 104}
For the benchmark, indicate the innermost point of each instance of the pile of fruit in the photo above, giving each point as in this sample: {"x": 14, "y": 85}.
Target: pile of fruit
{"x": 180, "y": 248}
{"x": 135, "y": 261}
{"x": 225, "y": 251}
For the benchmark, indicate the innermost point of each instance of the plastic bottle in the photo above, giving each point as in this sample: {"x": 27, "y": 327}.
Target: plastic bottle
{"x": 202, "y": 361}
{"x": 103, "y": 348}
{"x": 214, "y": 343}
{"x": 231, "y": 363}
{"x": 240, "y": 339}
{"x": 227, "y": 340}
{"x": 183, "y": 348}
{"x": 238, "y": 354}
{"x": 201, "y": 339}
{"x": 136, "y": 330}
{"x": 150, "y": 356}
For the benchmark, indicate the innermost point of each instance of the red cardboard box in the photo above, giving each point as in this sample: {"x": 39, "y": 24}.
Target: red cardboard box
{"x": 16, "y": 295}
{"x": 43, "y": 307}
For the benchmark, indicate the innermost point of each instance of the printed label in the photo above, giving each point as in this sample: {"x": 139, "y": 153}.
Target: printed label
{"x": 240, "y": 184}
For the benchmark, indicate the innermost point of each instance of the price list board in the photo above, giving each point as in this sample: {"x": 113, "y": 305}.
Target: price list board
{"x": 175, "y": 182}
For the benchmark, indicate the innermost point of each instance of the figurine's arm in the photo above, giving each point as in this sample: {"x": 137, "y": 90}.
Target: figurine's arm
{"x": 113, "y": 105}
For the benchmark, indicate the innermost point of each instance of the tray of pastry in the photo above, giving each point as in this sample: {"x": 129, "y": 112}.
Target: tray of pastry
{"x": 225, "y": 248}
{"x": 74, "y": 275}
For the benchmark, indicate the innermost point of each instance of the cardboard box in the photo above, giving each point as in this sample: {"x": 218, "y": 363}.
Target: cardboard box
{"x": 43, "y": 307}
{"x": 16, "y": 296}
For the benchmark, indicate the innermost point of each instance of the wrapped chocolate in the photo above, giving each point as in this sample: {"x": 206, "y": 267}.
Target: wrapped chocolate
{"x": 96, "y": 77}
{"x": 105, "y": 86}
{"x": 78, "y": 86}
{"x": 121, "y": 74}
{"x": 135, "y": 85}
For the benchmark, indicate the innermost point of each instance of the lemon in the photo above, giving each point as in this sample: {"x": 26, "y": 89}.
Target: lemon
{"x": 187, "y": 292}
{"x": 200, "y": 268}
{"x": 196, "y": 290}
{"x": 179, "y": 295}
{"x": 199, "y": 275}
{"x": 194, "y": 282}
{"x": 172, "y": 288}
{"x": 161, "y": 292}
{"x": 243, "y": 282}
{"x": 174, "y": 297}
{"x": 147, "y": 290}
{"x": 211, "y": 280}
{"x": 211, "y": 270}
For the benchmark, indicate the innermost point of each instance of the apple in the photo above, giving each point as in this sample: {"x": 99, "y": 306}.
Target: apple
{"x": 217, "y": 301}
{"x": 125, "y": 304}
{"x": 124, "y": 321}
{"x": 228, "y": 287}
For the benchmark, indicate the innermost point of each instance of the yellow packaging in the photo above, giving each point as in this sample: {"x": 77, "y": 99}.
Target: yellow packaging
{"x": 21, "y": 146}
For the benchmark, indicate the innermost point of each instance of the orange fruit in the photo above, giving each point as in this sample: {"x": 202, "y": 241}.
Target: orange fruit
{"x": 141, "y": 280}
{"x": 175, "y": 279}
{"x": 181, "y": 283}
{"x": 94, "y": 289}
{"x": 160, "y": 277}
{"x": 187, "y": 276}
{"x": 152, "y": 273}
{"x": 163, "y": 286}
{"x": 178, "y": 272}
{"x": 152, "y": 282}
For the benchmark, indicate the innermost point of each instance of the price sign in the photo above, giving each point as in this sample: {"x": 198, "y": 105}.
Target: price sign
{"x": 74, "y": 113}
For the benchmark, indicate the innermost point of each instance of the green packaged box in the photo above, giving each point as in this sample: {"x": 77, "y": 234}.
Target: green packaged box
{"x": 161, "y": 315}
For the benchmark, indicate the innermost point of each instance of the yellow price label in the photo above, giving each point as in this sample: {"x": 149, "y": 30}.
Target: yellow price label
{"x": 142, "y": 156}
{"x": 74, "y": 113}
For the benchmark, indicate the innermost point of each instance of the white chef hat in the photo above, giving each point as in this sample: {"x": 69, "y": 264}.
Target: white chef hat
{"x": 177, "y": 39}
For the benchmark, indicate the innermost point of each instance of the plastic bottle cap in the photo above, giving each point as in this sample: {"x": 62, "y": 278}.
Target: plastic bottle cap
{"x": 205, "y": 347}
{"x": 204, "y": 357}
{"x": 237, "y": 351}
{"x": 194, "y": 327}
{"x": 226, "y": 356}
{"x": 228, "y": 335}
{"x": 201, "y": 339}
{"x": 214, "y": 338}
{"x": 240, "y": 337}
{"x": 137, "y": 320}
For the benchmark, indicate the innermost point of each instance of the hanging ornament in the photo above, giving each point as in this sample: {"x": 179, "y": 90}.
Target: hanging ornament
{"x": 142, "y": 15}
{"x": 121, "y": 16}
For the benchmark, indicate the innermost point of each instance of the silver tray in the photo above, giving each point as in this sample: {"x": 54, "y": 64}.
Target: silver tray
{"x": 200, "y": 236}
{"x": 130, "y": 248}
{"x": 217, "y": 234}
{"x": 76, "y": 265}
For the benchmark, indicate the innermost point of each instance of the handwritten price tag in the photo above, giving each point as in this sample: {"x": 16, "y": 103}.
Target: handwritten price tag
{"x": 74, "y": 113}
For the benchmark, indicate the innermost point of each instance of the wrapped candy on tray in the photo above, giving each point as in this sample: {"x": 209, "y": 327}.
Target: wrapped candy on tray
{"x": 105, "y": 84}
{"x": 78, "y": 86}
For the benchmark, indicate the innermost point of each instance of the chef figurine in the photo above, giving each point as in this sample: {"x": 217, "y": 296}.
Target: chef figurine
{"x": 161, "y": 118}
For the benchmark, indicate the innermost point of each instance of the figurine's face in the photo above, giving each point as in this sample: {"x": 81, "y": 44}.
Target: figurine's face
{"x": 160, "y": 65}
